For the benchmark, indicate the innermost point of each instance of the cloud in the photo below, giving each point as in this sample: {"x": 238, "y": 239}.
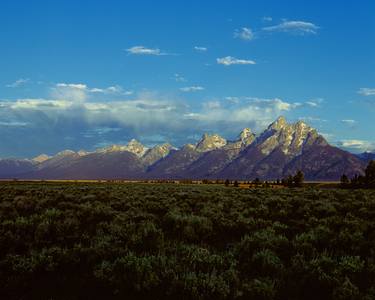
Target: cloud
{"x": 200, "y": 49}
{"x": 179, "y": 78}
{"x": 80, "y": 92}
{"x": 59, "y": 124}
{"x": 314, "y": 102}
{"x": 244, "y": 33}
{"x": 311, "y": 104}
{"x": 70, "y": 91}
{"x": 233, "y": 100}
{"x": 141, "y": 50}
{"x": 78, "y": 86}
{"x": 313, "y": 119}
{"x": 276, "y": 103}
{"x": 230, "y": 60}
{"x": 267, "y": 19}
{"x": 13, "y": 124}
{"x": 212, "y": 105}
{"x": 367, "y": 91}
{"x": 294, "y": 27}
{"x": 327, "y": 136}
{"x": 111, "y": 90}
{"x": 134, "y": 113}
{"x": 101, "y": 131}
{"x": 256, "y": 113}
{"x": 38, "y": 104}
{"x": 349, "y": 122}
{"x": 357, "y": 145}
{"x": 18, "y": 83}
{"x": 191, "y": 89}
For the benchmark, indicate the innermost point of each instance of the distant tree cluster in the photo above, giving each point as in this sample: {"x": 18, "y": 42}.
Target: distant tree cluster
{"x": 359, "y": 181}
{"x": 291, "y": 181}
{"x": 294, "y": 181}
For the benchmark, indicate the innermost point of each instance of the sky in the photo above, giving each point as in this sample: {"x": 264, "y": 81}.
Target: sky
{"x": 88, "y": 74}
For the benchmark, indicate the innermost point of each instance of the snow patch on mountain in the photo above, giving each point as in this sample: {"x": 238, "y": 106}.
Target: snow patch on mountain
{"x": 133, "y": 146}
{"x": 210, "y": 142}
{"x": 289, "y": 138}
{"x": 40, "y": 158}
{"x": 156, "y": 153}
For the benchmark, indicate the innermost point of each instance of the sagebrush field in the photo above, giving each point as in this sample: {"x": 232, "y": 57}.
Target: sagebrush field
{"x": 137, "y": 241}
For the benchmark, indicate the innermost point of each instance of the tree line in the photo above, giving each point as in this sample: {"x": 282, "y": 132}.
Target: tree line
{"x": 291, "y": 181}
{"x": 366, "y": 181}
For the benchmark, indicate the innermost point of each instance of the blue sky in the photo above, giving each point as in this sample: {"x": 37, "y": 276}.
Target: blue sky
{"x": 85, "y": 74}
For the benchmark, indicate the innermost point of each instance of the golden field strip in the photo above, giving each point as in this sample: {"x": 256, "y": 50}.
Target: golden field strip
{"x": 241, "y": 184}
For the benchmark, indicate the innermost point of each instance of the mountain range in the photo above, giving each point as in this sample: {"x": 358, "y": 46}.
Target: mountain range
{"x": 280, "y": 150}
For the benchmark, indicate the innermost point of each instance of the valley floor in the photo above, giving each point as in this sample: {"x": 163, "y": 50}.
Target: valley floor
{"x": 95, "y": 240}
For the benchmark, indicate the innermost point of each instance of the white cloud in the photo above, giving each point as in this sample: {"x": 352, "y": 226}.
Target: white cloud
{"x": 18, "y": 83}
{"x": 70, "y": 91}
{"x": 276, "y": 103}
{"x": 312, "y": 119}
{"x": 357, "y": 145}
{"x": 230, "y": 60}
{"x": 244, "y": 33}
{"x": 257, "y": 113}
{"x": 141, "y": 50}
{"x": 191, "y": 89}
{"x": 97, "y": 90}
{"x": 13, "y": 124}
{"x": 233, "y": 100}
{"x": 39, "y": 104}
{"x": 147, "y": 114}
{"x": 367, "y": 91}
{"x": 111, "y": 90}
{"x": 296, "y": 27}
{"x": 78, "y": 86}
{"x": 349, "y": 122}
{"x": 64, "y": 122}
{"x": 212, "y": 105}
{"x": 80, "y": 92}
{"x": 267, "y": 19}
{"x": 312, "y": 104}
{"x": 179, "y": 78}
{"x": 200, "y": 49}
{"x": 327, "y": 136}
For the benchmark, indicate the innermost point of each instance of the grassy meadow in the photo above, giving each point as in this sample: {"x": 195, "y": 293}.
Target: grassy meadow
{"x": 90, "y": 240}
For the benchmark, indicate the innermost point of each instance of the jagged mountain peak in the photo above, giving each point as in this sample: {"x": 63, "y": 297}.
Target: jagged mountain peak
{"x": 111, "y": 148}
{"x": 279, "y": 124}
{"x": 366, "y": 156}
{"x": 65, "y": 153}
{"x": 136, "y": 147}
{"x": 280, "y": 150}
{"x": 165, "y": 146}
{"x": 156, "y": 153}
{"x": 246, "y": 136}
{"x": 300, "y": 123}
{"x": 289, "y": 138}
{"x": 134, "y": 142}
{"x": 40, "y": 158}
{"x": 188, "y": 147}
{"x": 246, "y": 132}
{"x": 132, "y": 146}
{"x": 83, "y": 152}
{"x": 210, "y": 142}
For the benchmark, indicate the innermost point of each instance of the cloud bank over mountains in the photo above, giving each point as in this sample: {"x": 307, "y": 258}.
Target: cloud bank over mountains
{"x": 75, "y": 115}
{"x": 112, "y": 114}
